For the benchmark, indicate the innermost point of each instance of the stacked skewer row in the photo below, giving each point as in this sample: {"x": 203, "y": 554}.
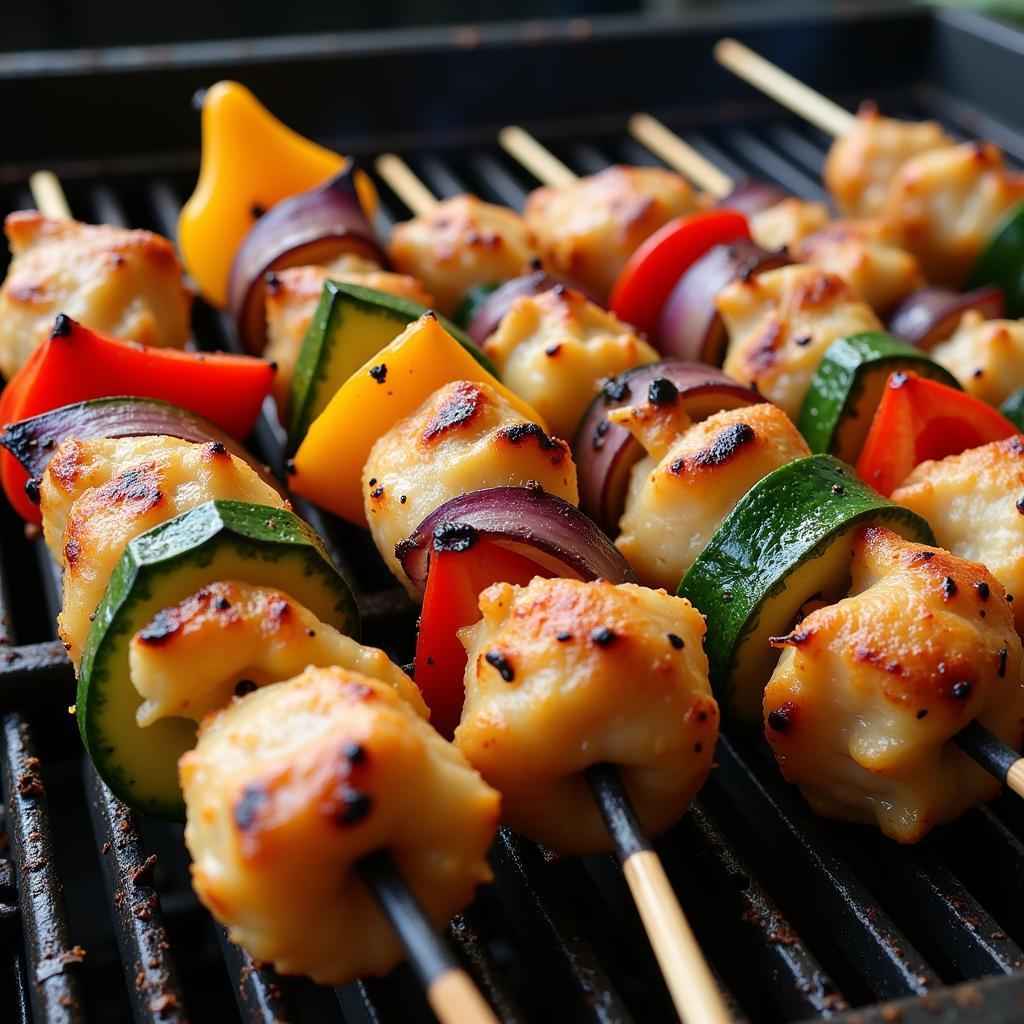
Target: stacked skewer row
{"x": 566, "y": 693}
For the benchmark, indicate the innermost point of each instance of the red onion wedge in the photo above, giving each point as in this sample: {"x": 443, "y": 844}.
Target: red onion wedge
{"x": 690, "y": 327}
{"x": 526, "y": 520}
{"x": 312, "y": 227}
{"x": 606, "y": 452}
{"x": 753, "y": 197}
{"x": 33, "y": 441}
{"x": 931, "y": 315}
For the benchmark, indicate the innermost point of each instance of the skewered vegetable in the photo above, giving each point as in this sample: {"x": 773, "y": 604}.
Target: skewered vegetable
{"x": 1001, "y": 257}
{"x": 986, "y": 356}
{"x": 460, "y": 243}
{"x": 303, "y": 779}
{"x": 869, "y": 693}
{"x": 848, "y": 387}
{"x": 563, "y": 675}
{"x": 250, "y": 161}
{"x": 586, "y": 230}
{"x": 464, "y": 437}
{"x": 555, "y": 348}
{"x": 786, "y": 542}
{"x": 920, "y": 419}
{"x": 126, "y": 283}
{"x": 1013, "y": 408}
{"x": 491, "y": 310}
{"x": 932, "y": 314}
{"x": 972, "y": 502}
{"x": 691, "y": 477}
{"x": 328, "y": 465}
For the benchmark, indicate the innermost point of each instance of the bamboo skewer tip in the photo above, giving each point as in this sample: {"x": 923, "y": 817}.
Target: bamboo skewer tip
{"x": 680, "y": 155}
{"x": 402, "y": 180}
{"x": 48, "y": 195}
{"x": 534, "y": 156}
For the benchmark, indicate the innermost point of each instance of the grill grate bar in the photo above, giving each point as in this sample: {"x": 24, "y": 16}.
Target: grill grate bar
{"x": 258, "y": 990}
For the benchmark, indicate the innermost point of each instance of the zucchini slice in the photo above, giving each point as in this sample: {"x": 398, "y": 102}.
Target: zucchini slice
{"x": 350, "y": 326}
{"x": 847, "y": 389}
{"x": 1013, "y": 408}
{"x": 1001, "y": 260}
{"x": 220, "y": 540}
{"x": 787, "y": 542}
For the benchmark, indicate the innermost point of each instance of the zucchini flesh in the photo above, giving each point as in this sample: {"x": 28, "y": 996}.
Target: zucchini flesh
{"x": 847, "y": 388}
{"x": 218, "y": 540}
{"x": 787, "y": 541}
{"x": 350, "y": 326}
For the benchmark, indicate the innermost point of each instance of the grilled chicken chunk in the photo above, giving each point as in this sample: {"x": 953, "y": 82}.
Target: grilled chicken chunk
{"x": 121, "y": 282}
{"x": 866, "y": 254}
{"x": 462, "y": 243}
{"x": 556, "y": 349}
{"x": 972, "y": 502}
{"x": 781, "y": 322}
{"x": 785, "y": 223}
{"x": 228, "y": 638}
{"x": 463, "y": 438}
{"x": 290, "y": 786}
{"x": 868, "y": 694}
{"x": 862, "y": 163}
{"x": 985, "y": 356}
{"x": 691, "y": 478}
{"x": 586, "y": 230}
{"x": 292, "y": 297}
{"x": 563, "y": 675}
{"x": 946, "y": 204}
{"x": 98, "y": 495}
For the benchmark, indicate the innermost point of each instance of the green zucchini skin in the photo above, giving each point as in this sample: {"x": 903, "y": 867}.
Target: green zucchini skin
{"x": 218, "y": 540}
{"x": 351, "y": 324}
{"x": 472, "y": 301}
{"x": 1002, "y": 260}
{"x": 847, "y": 388}
{"x": 1013, "y": 409}
{"x": 787, "y": 540}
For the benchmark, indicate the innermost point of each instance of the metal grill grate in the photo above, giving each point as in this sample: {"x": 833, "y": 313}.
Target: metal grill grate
{"x": 800, "y": 918}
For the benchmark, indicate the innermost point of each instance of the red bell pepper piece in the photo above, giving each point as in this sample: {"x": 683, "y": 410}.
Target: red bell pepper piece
{"x": 920, "y": 419}
{"x": 650, "y": 274}
{"x": 76, "y": 363}
{"x": 454, "y": 583}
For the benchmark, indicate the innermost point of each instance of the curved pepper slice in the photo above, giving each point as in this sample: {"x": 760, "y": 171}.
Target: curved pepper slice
{"x": 328, "y": 466}
{"x": 76, "y": 363}
{"x": 920, "y": 419}
{"x": 250, "y": 161}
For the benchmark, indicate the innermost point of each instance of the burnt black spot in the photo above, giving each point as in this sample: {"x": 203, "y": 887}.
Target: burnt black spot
{"x": 244, "y": 686}
{"x": 377, "y": 492}
{"x": 1003, "y": 654}
{"x": 921, "y": 714}
{"x": 379, "y": 372}
{"x": 62, "y": 326}
{"x": 553, "y": 350}
{"x": 603, "y": 636}
{"x": 458, "y": 409}
{"x": 372, "y": 481}
{"x": 721, "y": 450}
{"x": 289, "y": 467}
{"x": 222, "y": 604}
{"x": 454, "y": 537}
{"x": 216, "y": 448}
{"x": 71, "y": 552}
{"x": 403, "y": 498}
{"x": 136, "y": 486}
{"x": 961, "y": 690}
{"x": 838, "y": 489}
{"x": 781, "y": 718}
{"x": 160, "y": 628}
{"x": 982, "y": 590}
{"x": 355, "y": 805}
{"x": 354, "y": 753}
{"x": 519, "y": 432}
{"x": 662, "y": 392}
{"x": 248, "y": 807}
{"x": 803, "y": 340}
{"x": 1020, "y": 505}
{"x": 698, "y": 747}
{"x": 676, "y": 641}
{"x": 563, "y": 637}
{"x": 498, "y": 661}
{"x": 32, "y": 485}
{"x": 615, "y": 390}
{"x": 948, "y": 588}
{"x": 597, "y": 442}
{"x": 922, "y": 556}
{"x": 273, "y": 282}
{"x": 257, "y": 211}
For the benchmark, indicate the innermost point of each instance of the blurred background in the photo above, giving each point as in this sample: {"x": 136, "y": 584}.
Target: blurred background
{"x": 57, "y": 24}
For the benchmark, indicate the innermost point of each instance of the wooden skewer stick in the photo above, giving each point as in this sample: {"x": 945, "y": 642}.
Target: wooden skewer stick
{"x": 450, "y": 990}
{"x": 679, "y": 155}
{"x": 995, "y": 756}
{"x": 781, "y": 86}
{"x": 537, "y": 159}
{"x": 694, "y": 992}
{"x": 404, "y": 183}
{"x": 48, "y": 195}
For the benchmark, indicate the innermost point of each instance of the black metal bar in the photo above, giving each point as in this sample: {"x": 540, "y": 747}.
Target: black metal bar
{"x": 466, "y": 933}
{"x": 995, "y": 756}
{"x": 258, "y": 990}
{"x": 34, "y": 675}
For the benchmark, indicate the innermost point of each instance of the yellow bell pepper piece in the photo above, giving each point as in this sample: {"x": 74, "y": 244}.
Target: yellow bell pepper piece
{"x": 250, "y": 161}
{"x": 328, "y": 466}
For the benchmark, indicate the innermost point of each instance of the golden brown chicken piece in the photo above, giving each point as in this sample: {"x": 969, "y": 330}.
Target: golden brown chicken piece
{"x": 461, "y": 243}
{"x": 98, "y": 495}
{"x": 586, "y": 230}
{"x": 788, "y": 221}
{"x": 121, "y": 282}
{"x": 868, "y": 694}
{"x": 289, "y": 787}
{"x": 973, "y": 503}
{"x": 691, "y": 478}
{"x": 946, "y": 204}
{"x": 862, "y": 163}
{"x": 556, "y": 349}
{"x": 985, "y": 356}
{"x": 781, "y": 322}
{"x": 465, "y": 437}
{"x": 292, "y": 297}
{"x": 228, "y": 638}
{"x": 563, "y": 675}
{"x": 867, "y": 255}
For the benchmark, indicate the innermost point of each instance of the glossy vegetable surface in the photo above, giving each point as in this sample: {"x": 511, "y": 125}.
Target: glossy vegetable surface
{"x": 1002, "y": 260}
{"x": 932, "y": 314}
